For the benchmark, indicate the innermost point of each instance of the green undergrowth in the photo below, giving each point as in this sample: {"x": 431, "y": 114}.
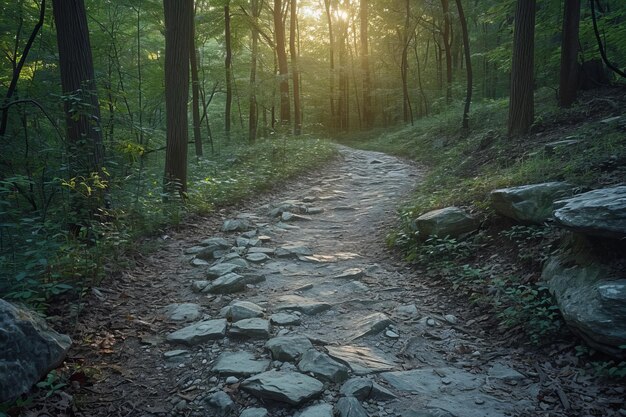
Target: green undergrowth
{"x": 41, "y": 260}
{"x": 462, "y": 168}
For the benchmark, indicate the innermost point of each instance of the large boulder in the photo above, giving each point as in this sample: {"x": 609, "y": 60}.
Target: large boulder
{"x": 598, "y": 213}
{"x": 449, "y": 221}
{"x": 592, "y": 300}
{"x": 529, "y": 203}
{"x": 29, "y": 349}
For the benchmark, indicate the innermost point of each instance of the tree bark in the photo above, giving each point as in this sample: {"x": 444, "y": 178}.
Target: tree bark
{"x": 331, "y": 56}
{"x": 446, "y": 45}
{"x": 195, "y": 90}
{"x": 178, "y": 21}
{"x": 228, "y": 65}
{"x": 368, "y": 118}
{"x": 521, "y": 105}
{"x": 295, "y": 73}
{"x": 283, "y": 66}
{"x": 468, "y": 64}
{"x": 568, "y": 77}
{"x": 253, "y": 114}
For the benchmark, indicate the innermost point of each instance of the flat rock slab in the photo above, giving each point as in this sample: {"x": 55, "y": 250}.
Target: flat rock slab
{"x": 199, "y": 332}
{"x": 323, "y": 367}
{"x": 285, "y": 319}
{"x": 349, "y": 407}
{"x": 532, "y": 203}
{"x": 222, "y": 269}
{"x": 365, "y": 388}
{"x": 304, "y": 305}
{"x": 288, "y": 348}
{"x": 319, "y": 410}
{"x": 232, "y": 283}
{"x": 293, "y": 251}
{"x": 449, "y": 221}
{"x": 352, "y": 273}
{"x": 290, "y": 387}
{"x": 254, "y": 328}
{"x": 266, "y": 251}
{"x": 221, "y": 404}
{"x": 369, "y": 325}
{"x": 29, "y": 350}
{"x": 254, "y": 412}
{"x": 257, "y": 257}
{"x": 183, "y": 312}
{"x": 431, "y": 381}
{"x": 362, "y": 360}
{"x": 237, "y": 225}
{"x": 239, "y": 310}
{"x": 291, "y": 217}
{"x": 240, "y": 364}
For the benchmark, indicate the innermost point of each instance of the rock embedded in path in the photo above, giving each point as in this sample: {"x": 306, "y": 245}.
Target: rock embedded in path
{"x": 221, "y": 269}
{"x": 29, "y": 349}
{"x": 409, "y": 310}
{"x": 291, "y": 217}
{"x": 288, "y": 348}
{"x": 254, "y": 328}
{"x": 293, "y": 251}
{"x": 199, "y": 332}
{"x": 352, "y": 273}
{"x": 261, "y": 249}
{"x": 239, "y": 310}
{"x": 290, "y": 387}
{"x": 254, "y": 412}
{"x": 319, "y": 410}
{"x": 365, "y": 388}
{"x": 197, "y": 262}
{"x": 349, "y": 407}
{"x": 257, "y": 257}
{"x": 598, "y": 213}
{"x": 232, "y": 283}
{"x": 237, "y": 225}
{"x": 183, "y": 312}
{"x": 221, "y": 404}
{"x": 322, "y": 366}
{"x": 427, "y": 412}
{"x": 304, "y": 305}
{"x": 239, "y": 364}
{"x": 529, "y": 203}
{"x": 285, "y": 319}
{"x": 370, "y": 325}
{"x": 362, "y": 361}
{"x": 211, "y": 246}
{"x": 449, "y": 221}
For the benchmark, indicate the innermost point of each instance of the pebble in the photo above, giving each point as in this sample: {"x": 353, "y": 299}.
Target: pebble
{"x": 391, "y": 334}
{"x": 479, "y": 401}
{"x": 232, "y": 380}
{"x": 431, "y": 322}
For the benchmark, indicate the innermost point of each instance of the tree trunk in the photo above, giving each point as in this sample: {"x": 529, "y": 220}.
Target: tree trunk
{"x": 283, "y": 66}
{"x": 521, "y": 105}
{"x": 468, "y": 64}
{"x": 178, "y": 21}
{"x": 195, "y": 89}
{"x": 568, "y": 77}
{"x": 446, "y": 46}
{"x": 295, "y": 73}
{"x": 404, "y": 66}
{"x": 253, "y": 108}
{"x": 331, "y": 52}
{"x": 228, "y": 65}
{"x": 368, "y": 118}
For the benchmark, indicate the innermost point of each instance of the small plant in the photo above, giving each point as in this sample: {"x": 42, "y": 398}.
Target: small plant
{"x": 51, "y": 384}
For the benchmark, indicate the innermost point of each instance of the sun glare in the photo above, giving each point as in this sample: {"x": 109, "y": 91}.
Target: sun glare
{"x": 309, "y": 12}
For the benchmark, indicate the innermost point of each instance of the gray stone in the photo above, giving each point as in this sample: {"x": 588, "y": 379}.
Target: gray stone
{"x": 291, "y": 217}
{"x": 239, "y": 310}
{"x": 222, "y": 269}
{"x": 529, "y": 203}
{"x": 364, "y": 388}
{"x": 427, "y": 412}
{"x": 266, "y": 251}
{"x": 349, "y": 407}
{"x": 370, "y": 325}
{"x": 174, "y": 353}
{"x": 285, "y": 319}
{"x": 429, "y": 381}
{"x": 352, "y": 273}
{"x": 30, "y": 349}
{"x": 254, "y": 412}
{"x": 289, "y": 387}
{"x": 288, "y": 348}
{"x": 221, "y": 404}
{"x": 211, "y": 247}
{"x": 194, "y": 250}
{"x": 232, "y": 283}
{"x": 237, "y": 260}
{"x": 233, "y": 379}
{"x": 599, "y": 212}
{"x": 592, "y": 305}
{"x": 504, "y": 373}
{"x": 304, "y": 305}
{"x": 362, "y": 361}
{"x": 199, "y": 332}
{"x": 293, "y": 251}
{"x": 254, "y": 328}
{"x": 257, "y": 257}
{"x": 197, "y": 262}
{"x": 200, "y": 285}
{"x": 314, "y": 210}
{"x": 237, "y": 225}
{"x": 239, "y": 364}
{"x": 183, "y": 312}
{"x": 322, "y": 366}
{"x": 409, "y": 310}
{"x": 449, "y": 221}
{"x": 319, "y": 410}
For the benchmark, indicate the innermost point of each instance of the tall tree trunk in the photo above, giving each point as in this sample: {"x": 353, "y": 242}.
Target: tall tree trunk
{"x": 295, "y": 73}
{"x": 283, "y": 66}
{"x": 228, "y": 65}
{"x": 521, "y": 105}
{"x": 468, "y": 64}
{"x": 331, "y": 53}
{"x": 446, "y": 45}
{"x": 405, "y": 37}
{"x": 178, "y": 21}
{"x": 344, "y": 93}
{"x": 568, "y": 77}
{"x": 253, "y": 115}
{"x": 195, "y": 90}
{"x": 365, "y": 66}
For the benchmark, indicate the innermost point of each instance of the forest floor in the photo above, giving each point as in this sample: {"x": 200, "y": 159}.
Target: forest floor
{"x": 429, "y": 350}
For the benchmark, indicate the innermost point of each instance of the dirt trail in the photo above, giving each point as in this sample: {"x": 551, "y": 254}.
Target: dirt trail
{"x": 325, "y": 270}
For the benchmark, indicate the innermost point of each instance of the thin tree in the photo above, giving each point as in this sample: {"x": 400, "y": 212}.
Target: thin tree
{"x": 331, "y": 57}
{"x": 295, "y": 72}
{"x": 228, "y": 65}
{"x": 468, "y": 64}
{"x": 521, "y": 105}
{"x": 253, "y": 115}
{"x": 365, "y": 66}
{"x": 446, "y": 46}
{"x": 283, "y": 66}
{"x": 195, "y": 91}
{"x": 568, "y": 77}
{"x": 178, "y": 22}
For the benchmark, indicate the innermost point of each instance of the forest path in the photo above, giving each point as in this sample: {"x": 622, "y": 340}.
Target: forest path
{"x": 317, "y": 269}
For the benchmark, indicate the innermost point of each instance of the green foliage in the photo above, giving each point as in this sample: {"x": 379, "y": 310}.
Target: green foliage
{"x": 51, "y": 384}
